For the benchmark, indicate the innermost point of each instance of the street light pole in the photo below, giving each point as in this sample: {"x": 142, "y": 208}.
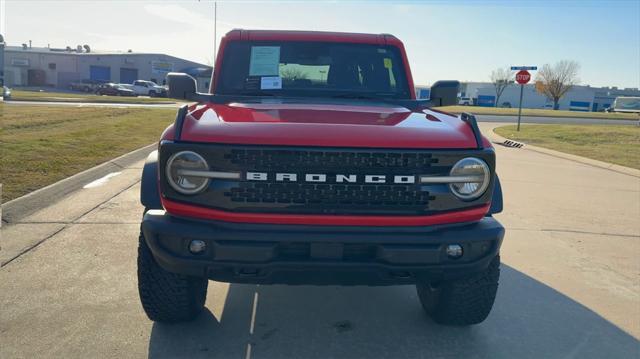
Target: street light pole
{"x": 215, "y": 26}
{"x": 1, "y": 65}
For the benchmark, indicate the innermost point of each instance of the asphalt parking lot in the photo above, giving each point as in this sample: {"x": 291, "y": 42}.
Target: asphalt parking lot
{"x": 570, "y": 284}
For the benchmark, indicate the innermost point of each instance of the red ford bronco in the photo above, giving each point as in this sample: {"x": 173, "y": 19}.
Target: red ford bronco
{"x": 311, "y": 162}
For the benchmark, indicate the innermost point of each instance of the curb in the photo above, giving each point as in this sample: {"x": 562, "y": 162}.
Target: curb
{"x": 496, "y": 138}
{"x": 21, "y": 207}
{"x": 91, "y": 104}
{"x": 108, "y": 102}
{"x": 548, "y": 116}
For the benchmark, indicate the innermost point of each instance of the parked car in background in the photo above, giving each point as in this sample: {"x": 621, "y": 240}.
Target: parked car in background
{"x": 112, "y": 89}
{"x": 506, "y": 104}
{"x": 147, "y": 88}
{"x": 86, "y": 85}
{"x": 6, "y": 92}
{"x": 465, "y": 101}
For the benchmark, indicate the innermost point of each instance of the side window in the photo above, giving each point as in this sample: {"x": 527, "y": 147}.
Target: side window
{"x": 137, "y": 83}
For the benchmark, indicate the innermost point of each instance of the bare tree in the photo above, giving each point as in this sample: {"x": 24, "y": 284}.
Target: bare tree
{"x": 293, "y": 74}
{"x": 554, "y": 81}
{"x": 501, "y": 78}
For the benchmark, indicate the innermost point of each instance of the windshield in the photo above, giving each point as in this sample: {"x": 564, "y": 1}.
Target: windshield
{"x": 318, "y": 69}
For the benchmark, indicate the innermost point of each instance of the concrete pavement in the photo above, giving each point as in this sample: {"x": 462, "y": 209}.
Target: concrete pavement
{"x": 569, "y": 287}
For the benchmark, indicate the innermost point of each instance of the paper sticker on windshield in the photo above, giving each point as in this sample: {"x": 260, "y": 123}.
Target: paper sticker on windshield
{"x": 387, "y": 62}
{"x": 265, "y": 61}
{"x": 271, "y": 83}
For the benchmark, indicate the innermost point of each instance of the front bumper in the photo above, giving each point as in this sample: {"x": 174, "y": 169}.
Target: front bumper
{"x": 302, "y": 254}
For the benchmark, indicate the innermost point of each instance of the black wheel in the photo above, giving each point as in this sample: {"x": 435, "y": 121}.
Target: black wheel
{"x": 165, "y": 296}
{"x": 464, "y": 301}
{"x": 152, "y": 94}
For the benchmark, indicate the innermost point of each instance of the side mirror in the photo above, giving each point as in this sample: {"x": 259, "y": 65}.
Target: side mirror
{"x": 181, "y": 86}
{"x": 445, "y": 93}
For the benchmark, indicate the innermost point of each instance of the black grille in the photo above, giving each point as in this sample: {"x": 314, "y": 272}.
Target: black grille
{"x": 330, "y": 194}
{"x": 269, "y": 159}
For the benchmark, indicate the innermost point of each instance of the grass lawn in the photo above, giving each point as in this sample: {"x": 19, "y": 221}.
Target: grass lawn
{"x": 40, "y": 145}
{"x": 20, "y": 95}
{"x": 478, "y": 110}
{"x": 617, "y": 144}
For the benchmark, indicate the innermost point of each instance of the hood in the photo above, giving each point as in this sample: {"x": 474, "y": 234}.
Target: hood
{"x": 335, "y": 124}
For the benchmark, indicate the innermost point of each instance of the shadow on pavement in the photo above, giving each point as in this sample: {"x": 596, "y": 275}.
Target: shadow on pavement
{"x": 529, "y": 320}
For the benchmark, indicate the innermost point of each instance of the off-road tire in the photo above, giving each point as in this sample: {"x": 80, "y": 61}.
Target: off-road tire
{"x": 464, "y": 301}
{"x": 165, "y": 296}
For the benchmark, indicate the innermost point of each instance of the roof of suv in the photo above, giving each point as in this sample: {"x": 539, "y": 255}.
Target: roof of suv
{"x": 272, "y": 35}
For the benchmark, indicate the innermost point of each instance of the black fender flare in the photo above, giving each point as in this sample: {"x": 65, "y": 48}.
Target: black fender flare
{"x": 149, "y": 193}
{"x": 496, "y": 198}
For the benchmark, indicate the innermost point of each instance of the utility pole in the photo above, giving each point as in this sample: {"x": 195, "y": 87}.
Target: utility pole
{"x": 215, "y": 28}
{"x": 1, "y": 65}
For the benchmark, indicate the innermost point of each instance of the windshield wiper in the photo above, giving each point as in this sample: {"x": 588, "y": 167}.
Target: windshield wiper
{"x": 255, "y": 93}
{"x": 355, "y": 96}
{"x": 367, "y": 95}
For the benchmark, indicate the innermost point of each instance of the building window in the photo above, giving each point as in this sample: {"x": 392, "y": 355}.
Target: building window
{"x": 52, "y": 66}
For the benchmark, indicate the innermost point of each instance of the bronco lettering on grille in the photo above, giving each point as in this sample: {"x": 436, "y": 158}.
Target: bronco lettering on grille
{"x": 322, "y": 178}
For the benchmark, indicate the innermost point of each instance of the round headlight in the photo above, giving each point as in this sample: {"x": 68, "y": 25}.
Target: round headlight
{"x": 178, "y": 168}
{"x": 472, "y": 176}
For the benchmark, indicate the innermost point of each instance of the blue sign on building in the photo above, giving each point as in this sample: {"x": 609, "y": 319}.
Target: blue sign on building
{"x": 580, "y": 106}
{"x": 486, "y": 101}
{"x": 424, "y": 94}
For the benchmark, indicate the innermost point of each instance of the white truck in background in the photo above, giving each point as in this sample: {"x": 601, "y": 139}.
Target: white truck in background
{"x": 146, "y": 88}
{"x": 625, "y": 104}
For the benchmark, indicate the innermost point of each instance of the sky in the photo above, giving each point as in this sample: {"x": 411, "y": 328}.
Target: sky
{"x": 461, "y": 40}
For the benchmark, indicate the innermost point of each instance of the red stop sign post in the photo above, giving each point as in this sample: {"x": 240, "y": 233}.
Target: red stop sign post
{"x": 522, "y": 77}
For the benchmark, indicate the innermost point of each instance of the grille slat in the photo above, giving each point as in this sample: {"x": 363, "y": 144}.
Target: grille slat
{"x": 328, "y": 194}
{"x": 272, "y": 159}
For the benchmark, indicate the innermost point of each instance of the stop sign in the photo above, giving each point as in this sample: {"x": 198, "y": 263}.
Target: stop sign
{"x": 523, "y": 76}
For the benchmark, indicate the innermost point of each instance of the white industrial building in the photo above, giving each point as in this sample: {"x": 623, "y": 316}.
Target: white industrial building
{"x": 58, "y": 67}
{"x": 578, "y": 98}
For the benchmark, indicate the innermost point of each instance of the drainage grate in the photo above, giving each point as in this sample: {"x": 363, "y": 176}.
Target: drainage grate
{"x": 514, "y": 144}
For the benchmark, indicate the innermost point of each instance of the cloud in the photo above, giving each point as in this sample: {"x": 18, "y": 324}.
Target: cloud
{"x": 179, "y": 14}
